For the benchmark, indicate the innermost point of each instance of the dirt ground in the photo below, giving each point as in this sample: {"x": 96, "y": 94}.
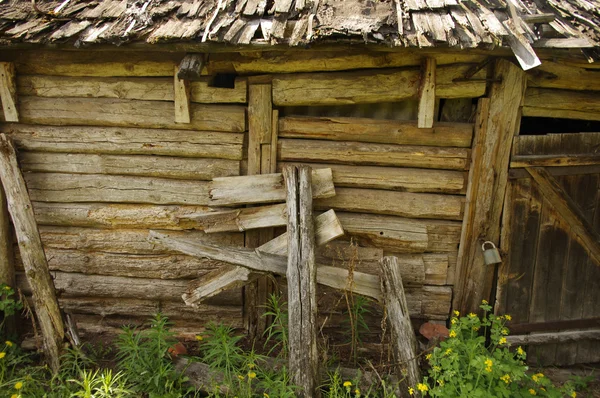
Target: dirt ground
{"x": 561, "y": 375}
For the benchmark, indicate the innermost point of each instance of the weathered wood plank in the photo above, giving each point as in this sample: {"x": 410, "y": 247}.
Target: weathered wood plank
{"x": 126, "y": 141}
{"x": 259, "y": 124}
{"x": 147, "y": 166}
{"x": 560, "y": 76}
{"x": 8, "y": 91}
{"x": 403, "y": 339}
{"x": 265, "y": 188}
{"x": 59, "y": 187}
{"x": 567, "y": 104}
{"x": 128, "y": 113}
{"x": 376, "y": 131}
{"x": 554, "y": 160}
{"x": 182, "y": 98}
{"x": 190, "y": 67}
{"x": 242, "y": 219}
{"x": 340, "y": 88}
{"x": 32, "y": 252}
{"x": 394, "y": 178}
{"x": 404, "y": 204}
{"x": 495, "y": 128}
{"x": 556, "y": 144}
{"x": 568, "y": 210}
{"x": 427, "y": 94}
{"x": 554, "y": 337}
{"x": 137, "y": 88}
{"x": 358, "y": 153}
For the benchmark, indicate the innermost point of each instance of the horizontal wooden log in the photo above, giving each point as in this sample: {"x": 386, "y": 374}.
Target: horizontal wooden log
{"x": 116, "y": 216}
{"x": 375, "y": 131}
{"x": 556, "y": 144}
{"x": 264, "y": 188}
{"x": 556, "y": 75}
{"x": 59, "y": 187}
{"x": 241, "y": 219}
{"x": 340, "y": 88}
{"x": 128, "y": 113}
{"x": 553, "y": 160}
{"x": 402, "y": 235}
{"x": 393, "y": 178}
{"x": 140, "y": 88}
{"x": 404, "y": 204}
{"x": 554, "y": 337}
{"x": 567, "y": 104}
{"x": 138, "y": 165}
{"x": 125, "y": 241}
{"x": 125, "y": 141}
{"x": 346, "y": 152}
{"x": 557, "y": 171}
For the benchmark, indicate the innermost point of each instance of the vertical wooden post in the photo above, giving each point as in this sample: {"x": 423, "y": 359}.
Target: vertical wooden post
{"x": 8, "y": 91}
{"x": 32, "y": 253}
{"x": 260, "y": 136}
{"x": 7, "y": 266}
{"x": 488, "y": 177}
{"x": 182, "y": 98}
{"x": 302, "y": 282}
{"x": 403, "y": 339}
{"x": 427, "y": 103}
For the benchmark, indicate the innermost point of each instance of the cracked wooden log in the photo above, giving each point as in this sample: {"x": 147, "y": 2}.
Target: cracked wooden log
{"x": 327, "y": 228}
{"x": 32, "y": 253}
{"x": 364, "y": 284}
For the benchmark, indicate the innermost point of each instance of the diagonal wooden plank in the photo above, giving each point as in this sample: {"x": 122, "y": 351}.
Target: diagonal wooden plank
{"x": 568, "y": 210}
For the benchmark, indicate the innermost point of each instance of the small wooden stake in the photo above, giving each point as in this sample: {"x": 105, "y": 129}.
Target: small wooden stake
{"x": 182, "y": 99}
{"x": 427, "y": 95}
{"x": 404, "y": 341}
{"x": 8, "y": 91}
{"x": 302, "y": 282}
{"x": 32, "y": 253}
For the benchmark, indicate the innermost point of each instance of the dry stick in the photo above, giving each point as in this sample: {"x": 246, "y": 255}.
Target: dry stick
{"x": 32, "y": 253}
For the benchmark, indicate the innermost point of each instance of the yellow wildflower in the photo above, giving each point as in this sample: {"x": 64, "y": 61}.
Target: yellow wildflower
{"x": 505, "y": 378}
{"x": 422, "y": 387}
{"x": 428, "y": 356}
{"x": 441, "y": 382}
{"x": 251, "y": 366}
{"x": 536, "y": 377}
{"x": 14, "y": 396}
{"x": 2, "y": 355}
{"x": 8, "y": 343}
{"x": 347, "y": 384}
{"x": 475, "y": 328}
{"x": 532, "y": 391}
{"x": 240, "y": 377}
{"x": 456, "y": 313}
{"x": 6, "y": 287}
{"x": 484, "y": 302}
{"x": 502, "y": 341}
{"x": 488, "y": 362}
{"x": 437, "y": 368}
{"x": 251, "y": 375}
{"x": 452, "y": 333}
{"x": 448, "y": 351}
{"x": 18, "y": 385}
{"x": 520, "y": 351}
{"x": 199, "y": 338}
{"x": 508, "y": 317}
{"x": 472, "y": 315}
{"x": 357, "y": 391}
{"x": 265, "y": 395}
{"x": 504, "y": 331}
{"x": 453, "y": 321}
{"x": 573, "y": 394}
{"x": 411, "y": 391}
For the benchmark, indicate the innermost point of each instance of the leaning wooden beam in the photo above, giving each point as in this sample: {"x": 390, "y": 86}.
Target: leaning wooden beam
{"x": 554, "y": 337}
{"x": 8, "y": 92}
{"x": 265, "y": 188}
{"x": 327, "y": 228}
{"x": 569, "y": 211}
{"x": 182, "y": 96}
{"x": 32, "y": 253}
{"x": 487, "y": 183}
{"x": 302, "y": 286}
{"x": 427, "y": 95}
{"x": 403, "y": 339}
{"x": 364, "y": 284}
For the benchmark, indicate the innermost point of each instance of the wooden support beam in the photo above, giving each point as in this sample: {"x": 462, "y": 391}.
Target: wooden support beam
{"x": 427, "y": 95}
{"x": 569, "y": 211}
{"x": 403, "y": 339}
{"x": 554, "y": 160}
{"x": 497, "y": 123}
{"x": 8, "y": 91}
{"x": 327, "y": 228}
{"x": 182, "y": 99}
{"x": 190, "y": 67}
{"x": 32, "y": 252}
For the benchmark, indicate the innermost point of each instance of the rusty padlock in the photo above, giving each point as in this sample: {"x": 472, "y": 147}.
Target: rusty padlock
{"x": 491, "y": 255}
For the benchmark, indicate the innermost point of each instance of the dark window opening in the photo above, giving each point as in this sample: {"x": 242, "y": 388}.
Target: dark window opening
{"x": 223, "y": 80}
{"x": 550, "y": 125}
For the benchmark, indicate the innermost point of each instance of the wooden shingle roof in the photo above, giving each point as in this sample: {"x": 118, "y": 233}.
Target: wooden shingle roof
{"x": 405, "y": 23}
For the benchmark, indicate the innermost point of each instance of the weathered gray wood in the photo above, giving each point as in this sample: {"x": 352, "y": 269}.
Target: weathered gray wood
{"x": 554, "y": 337}
{"x": 182, "y": 98}
{"x": 8, "y": 91}
{"x": 427, "y": 94}
{"x": 32, "y": 252}
{"x": 403, "y": 339}
{"x": 125, "y": 141}
{"x": 264, "y": 188}
{"x": 568, "y": 104}
{"x": 242, "y": 219}
{"x": 190, "y": 67}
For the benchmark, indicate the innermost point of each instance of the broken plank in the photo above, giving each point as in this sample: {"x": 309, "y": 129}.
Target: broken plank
{"x": 241, "y": 219}
{"x": 265, "y": 188}
{"x": 427, "y": 94}
{"x": 8, "y": 91}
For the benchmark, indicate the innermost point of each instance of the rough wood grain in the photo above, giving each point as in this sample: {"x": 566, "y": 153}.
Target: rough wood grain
{"x": 137, "y": 165}
{"x": 128, "y": 113}
{"x": 567, "y": 104}
{"x": 394, "y": 178}
{"x": 554, "y": 337}
{"x": 404, "y": 204}
{"x": 242, "y": 219}
{"x": 126, "y": 141}
{"x": 427, "y": 94}
{"x": 182, "y": 98}
{"x": 375, "y": 131}
{"x": 554, "y": 160}
{"x": 32, "y": 252}
{"x": 59, "y": 187}
{"x": 403, "y": 339}
{"x": 7, "y": 260}
{"x": 8, "y": 91}
{"x": 560, "y": 76}
{"x": 190, "y": 67}
{"x": 265, "y": 188}
{"x": 346, "y": 152}
{"x": 137, "y": 88}
{"x": 488, "y": 184}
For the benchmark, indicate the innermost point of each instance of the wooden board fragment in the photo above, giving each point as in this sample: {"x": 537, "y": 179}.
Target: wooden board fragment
{"x": 242, "y": 219}
{"x": 567, "y": 104}
{"x": 265, "y": 188}
{"x": 427, "y": 94}
{"x": 182, "y": 98}
{"x": 190, "y": 67}
{"x": 32, "y": 253}
{"x": 8, "y": 91}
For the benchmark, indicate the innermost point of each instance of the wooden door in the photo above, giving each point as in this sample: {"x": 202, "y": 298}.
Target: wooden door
{"x": 549, "y": 281}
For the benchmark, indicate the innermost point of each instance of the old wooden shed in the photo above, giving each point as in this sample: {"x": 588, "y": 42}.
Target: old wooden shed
{"x": 446, "y": 123}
